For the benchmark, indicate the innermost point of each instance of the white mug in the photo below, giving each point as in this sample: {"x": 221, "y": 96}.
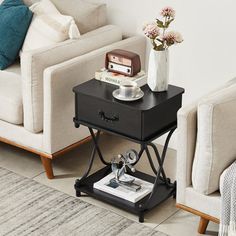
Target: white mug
{"x": 129, "y": 89}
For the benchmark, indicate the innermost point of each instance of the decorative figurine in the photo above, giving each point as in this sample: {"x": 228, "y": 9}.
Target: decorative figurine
{"x": 125, "y": 161}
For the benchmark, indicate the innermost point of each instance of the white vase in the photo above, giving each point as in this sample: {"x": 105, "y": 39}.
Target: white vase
{"x": 158, "y": 70}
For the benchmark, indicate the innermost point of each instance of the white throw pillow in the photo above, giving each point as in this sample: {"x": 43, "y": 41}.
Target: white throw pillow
{"x": 48, "y": 27}
{"x": 88, "y": 16}
{"x": 216, "y": 147}
{"x": 30, "y": 2}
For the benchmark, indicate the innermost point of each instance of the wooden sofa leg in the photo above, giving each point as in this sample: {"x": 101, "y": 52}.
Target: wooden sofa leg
{"x": 47, "y": 163}
{"x": 203, "y": 225}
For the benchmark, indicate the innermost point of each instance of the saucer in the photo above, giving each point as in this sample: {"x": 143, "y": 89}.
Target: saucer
{"x": 116, "y": 94}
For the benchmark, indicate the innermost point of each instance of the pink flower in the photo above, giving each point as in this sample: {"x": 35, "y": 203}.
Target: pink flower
{"x": 151, "y": 30}
{"x": 168, "y": 12}
{"x": 172, "y": 37}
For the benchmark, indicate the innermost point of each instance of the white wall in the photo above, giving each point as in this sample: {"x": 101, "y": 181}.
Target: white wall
{"x": 207, "y": 57}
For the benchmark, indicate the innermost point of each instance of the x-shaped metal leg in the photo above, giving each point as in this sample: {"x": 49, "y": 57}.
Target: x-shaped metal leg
{"x": 160, "y": 171}
{"x": 95, "y": 150}
{"x": 95, "y": 142}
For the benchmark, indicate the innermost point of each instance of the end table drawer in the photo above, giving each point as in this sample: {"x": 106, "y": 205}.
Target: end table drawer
{"x": 140, "y": 120}
{"x": 108, "y": 115}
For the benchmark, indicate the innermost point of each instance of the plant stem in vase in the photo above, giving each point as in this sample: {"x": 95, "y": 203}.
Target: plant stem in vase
{"x": 161, "y": 39}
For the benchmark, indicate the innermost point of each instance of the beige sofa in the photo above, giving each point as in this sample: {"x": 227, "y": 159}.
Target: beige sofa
{"x": 36, "y": 98}
{"x": 206, "y": 147}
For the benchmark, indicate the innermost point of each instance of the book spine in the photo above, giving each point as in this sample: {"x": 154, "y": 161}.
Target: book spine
{"x": 141, "y": 81}
{"x": 119, "y": 194}
{"x": 108, "y": 79}
{"x": 117, "y": 81}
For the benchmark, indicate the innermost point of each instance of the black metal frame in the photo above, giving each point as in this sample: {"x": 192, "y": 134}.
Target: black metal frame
{"x": 159, "y": 172}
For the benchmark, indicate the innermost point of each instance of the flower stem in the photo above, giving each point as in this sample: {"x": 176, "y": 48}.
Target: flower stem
{"x": 154, "y": 44}
{"x": 164, "y": 30}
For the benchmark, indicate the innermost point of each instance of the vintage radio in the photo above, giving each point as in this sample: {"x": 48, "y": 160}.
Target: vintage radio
{"x": 123, "y": 62}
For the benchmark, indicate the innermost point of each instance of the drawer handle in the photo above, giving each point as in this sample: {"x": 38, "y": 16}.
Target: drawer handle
{"x": 111, "y": 119}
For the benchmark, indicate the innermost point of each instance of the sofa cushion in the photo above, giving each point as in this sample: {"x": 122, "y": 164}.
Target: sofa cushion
{"x": 48, "y": 27}
{"x": 88, "y": 16}
{"x": 30, "y": 2}
{"x": 11, "y": 95}
{"x": 215, "y": 149}
{"x": 15, "y": 19}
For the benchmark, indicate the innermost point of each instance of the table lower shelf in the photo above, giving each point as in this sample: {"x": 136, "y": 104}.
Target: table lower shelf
{"x": 162, "y": 192}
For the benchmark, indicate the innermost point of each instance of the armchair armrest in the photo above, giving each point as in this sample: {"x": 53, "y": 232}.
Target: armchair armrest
{"x": 59, "y": 130}
{"x": 212, "y": 116}
{"x": 33, "y": 64}
{"x": 187, "y": 134}
{"x": 216, "y": 148}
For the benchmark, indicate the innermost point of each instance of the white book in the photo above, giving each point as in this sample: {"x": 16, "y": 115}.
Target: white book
{"x": 117, "y": 79}
{"x": 122, "y": 192}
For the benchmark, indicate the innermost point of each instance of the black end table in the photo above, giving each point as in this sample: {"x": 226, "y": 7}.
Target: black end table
{"x": 142, "y": 122}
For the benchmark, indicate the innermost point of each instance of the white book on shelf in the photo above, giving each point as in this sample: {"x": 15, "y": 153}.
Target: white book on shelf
{"x": 105, "y": 185}
{"x": 117, "y": 79}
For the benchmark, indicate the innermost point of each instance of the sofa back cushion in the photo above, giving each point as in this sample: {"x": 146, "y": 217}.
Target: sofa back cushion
{"x": 88, "y": 16}
{"x": 48, "y": 27}
{"x": 30, "y": 2}
{"x": 11, "y": 95}
{"x": 215, "y": 149}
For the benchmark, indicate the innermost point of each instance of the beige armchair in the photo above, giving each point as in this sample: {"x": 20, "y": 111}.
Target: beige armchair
{"x": 206, "y": 147}
{"x": 36, "y": 98}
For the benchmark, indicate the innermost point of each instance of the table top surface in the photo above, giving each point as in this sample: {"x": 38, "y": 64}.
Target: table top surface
{"x": 102, "y": 90}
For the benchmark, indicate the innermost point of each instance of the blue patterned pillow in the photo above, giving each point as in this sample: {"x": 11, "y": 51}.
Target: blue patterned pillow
{"x": 15, "y": 18}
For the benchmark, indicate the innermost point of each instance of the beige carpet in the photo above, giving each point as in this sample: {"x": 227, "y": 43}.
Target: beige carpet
{"x": 30, "y": 208}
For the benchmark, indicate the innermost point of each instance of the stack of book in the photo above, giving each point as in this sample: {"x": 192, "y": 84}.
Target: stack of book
{"x": 116, "y": 79}
{"x": 105, "y": 185}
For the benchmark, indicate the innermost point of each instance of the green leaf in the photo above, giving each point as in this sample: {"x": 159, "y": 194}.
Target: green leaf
{"x": 159, "y": 47}
{"x": 168, "y": 23}
{"x": 160, "y": 23}
{"x": 170, "y": 43}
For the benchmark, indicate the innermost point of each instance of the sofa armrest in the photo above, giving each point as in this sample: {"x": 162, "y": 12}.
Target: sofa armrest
{"x": 59, "y": 130}
{"x": 33, "y": 64}
{"x": 187, "y": 134}
{"x": 216, "y": 148}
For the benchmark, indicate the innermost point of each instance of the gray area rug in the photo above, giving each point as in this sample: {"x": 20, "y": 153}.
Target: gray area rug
{"x": 30, "y": 208}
